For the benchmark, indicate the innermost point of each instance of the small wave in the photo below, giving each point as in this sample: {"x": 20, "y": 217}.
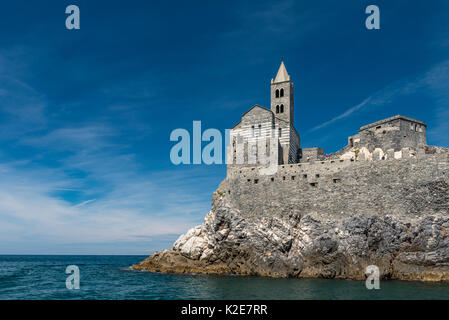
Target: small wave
{"x": 130, "y": 268}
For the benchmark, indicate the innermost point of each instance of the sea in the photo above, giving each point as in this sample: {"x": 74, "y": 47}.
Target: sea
{"x": 39, "y": 277}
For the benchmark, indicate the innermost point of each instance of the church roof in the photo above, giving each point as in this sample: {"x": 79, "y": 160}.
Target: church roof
{"x": 282, "y": 74}
{"x": 255, "y": 106}
{"x": 374, "y": 124}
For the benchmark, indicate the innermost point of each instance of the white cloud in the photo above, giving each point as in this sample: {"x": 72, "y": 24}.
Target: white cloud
{"x": 434, "y": 82}
{"x": 81, "y": 188}
{"x": 134, "y": 209}
{"x": 437, "y": 80}
{"x": 345, "y": 114}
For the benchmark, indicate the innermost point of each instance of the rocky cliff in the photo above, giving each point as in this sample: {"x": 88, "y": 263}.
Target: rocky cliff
{"x": 392, "y": 213}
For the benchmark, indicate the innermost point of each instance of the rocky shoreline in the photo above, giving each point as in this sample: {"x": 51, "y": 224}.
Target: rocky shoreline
{"x": 312, "y": 245}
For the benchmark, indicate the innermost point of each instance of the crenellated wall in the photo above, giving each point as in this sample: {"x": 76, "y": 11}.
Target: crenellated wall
{"x": 399, "y": 184}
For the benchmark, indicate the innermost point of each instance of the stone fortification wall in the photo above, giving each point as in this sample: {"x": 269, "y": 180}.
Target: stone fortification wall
{"x": 326, "y": 219}
{"x": 400, "y": 184}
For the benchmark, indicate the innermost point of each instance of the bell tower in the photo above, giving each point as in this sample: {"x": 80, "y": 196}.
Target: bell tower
{"x": 282, "y": 95}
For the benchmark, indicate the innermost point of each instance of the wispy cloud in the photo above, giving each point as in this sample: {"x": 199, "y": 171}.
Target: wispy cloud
{"x": 82, "y": 204}
{"x": 258, "y": 22}
{"x": 434, "y": 83}
{"x": 345, "y": 114}
{"x": 437, "y": 80}
{"x": 79, "y": 184}
{"x": 132, "y": 207}
{"x": 21, "y": 107}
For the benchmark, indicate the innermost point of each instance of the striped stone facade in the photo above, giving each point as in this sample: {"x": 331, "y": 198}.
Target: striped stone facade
{"x": 264, "y": 134}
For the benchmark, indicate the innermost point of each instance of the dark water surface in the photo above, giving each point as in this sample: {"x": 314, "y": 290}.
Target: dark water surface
{"x": 109, "y": 277}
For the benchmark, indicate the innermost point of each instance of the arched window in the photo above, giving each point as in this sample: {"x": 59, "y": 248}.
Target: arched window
{"x": 260, "y": 130}
{"x": 252, "y": 131}
{"x": 280, "y": 132}
{"x": 282, "y": 108}
{"x": 254, "y": 150}
{"x": 277, "y": 93}
{"x": 282, "y": 93}
{"x": 277, "y": 109}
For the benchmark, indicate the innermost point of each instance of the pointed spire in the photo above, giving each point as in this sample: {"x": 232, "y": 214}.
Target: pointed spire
{"x": 282, "y": 74}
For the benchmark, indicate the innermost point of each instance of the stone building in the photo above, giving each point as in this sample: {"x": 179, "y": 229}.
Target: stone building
{"x": 268, "y": 132}
{"x": 393, "y": 133}
{"x": 382, "y": 200}
{"x": 269, "y": 136}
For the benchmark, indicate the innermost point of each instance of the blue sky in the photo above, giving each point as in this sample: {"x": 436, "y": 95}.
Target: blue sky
{"x": 86, "y": 115}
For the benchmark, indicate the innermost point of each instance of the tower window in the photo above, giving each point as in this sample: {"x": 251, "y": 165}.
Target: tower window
{"x": 252, "y": 131}
{"x": 280, "y": 132}
{"x": 260, "y": 130}
{"x": 282, "y": 108}
{"x": 277, "y": 109}
{"x": 277, "y": 93}
{"x": 282, "y": 93}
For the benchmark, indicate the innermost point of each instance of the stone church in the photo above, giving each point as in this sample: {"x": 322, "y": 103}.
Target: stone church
{"x": 258, "y": 126}
{"x": 269, "y": 136}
